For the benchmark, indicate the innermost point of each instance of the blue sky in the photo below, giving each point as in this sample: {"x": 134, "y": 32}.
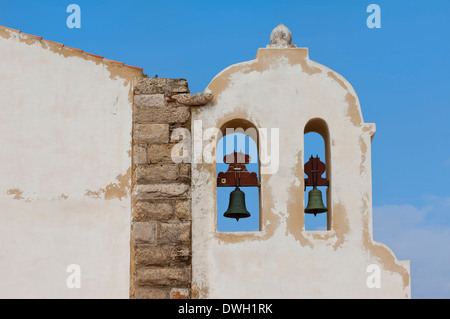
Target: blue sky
{"x": 401, "y": 73}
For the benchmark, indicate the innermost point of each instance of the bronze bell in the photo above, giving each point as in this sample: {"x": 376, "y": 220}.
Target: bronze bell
{"x": 315, "y": 203}
{"x": 236, "y": 208}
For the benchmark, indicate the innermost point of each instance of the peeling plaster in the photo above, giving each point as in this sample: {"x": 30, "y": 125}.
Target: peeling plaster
{"x": 116, "y": 69}
{"x": 16, "y": 192}
{"x": 113, "y": 190}
{"x": 18, "y": 195}
{"x": 296, "y": 195}
{"x": 265, "y": 59}
{"x": 353, "y": 111}
{"x": 340, "y": 224}
{"x": 363, "y": 146}
{"x": 382, "y": 253}
{"x": 198, "y": 292}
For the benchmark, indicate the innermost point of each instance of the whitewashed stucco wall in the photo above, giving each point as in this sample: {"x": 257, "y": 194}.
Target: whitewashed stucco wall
{"x": 65, "y": 140}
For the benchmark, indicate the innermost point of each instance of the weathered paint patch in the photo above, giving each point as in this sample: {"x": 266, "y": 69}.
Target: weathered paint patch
{"x": 340, "y": 224}
{"x": 295, "y": 221}
{"x": 387, "y": 259}
{"x": 199, "y": 291}
{"x": 353, "y": 110}
{"x": 363, "y": 147}
{"x": 16, "y": 192}
{"x": 18, "y": 195}
{"x": 265, "y": 58}
{"x": 116, "y": 69}
{"x": 384, "y": 255}
{"x": 118, "y": 189}
{"x": 92, "y": 194}
{"x": 6, "y": 32}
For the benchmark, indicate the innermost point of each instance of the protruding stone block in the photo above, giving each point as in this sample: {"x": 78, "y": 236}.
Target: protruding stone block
{"x": 160, "y": 86}
{"x": 197, "y": 99}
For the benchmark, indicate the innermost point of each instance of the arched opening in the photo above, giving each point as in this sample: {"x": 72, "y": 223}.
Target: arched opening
{"x": 237, "y": 167}
{"x": 316, "y": 150}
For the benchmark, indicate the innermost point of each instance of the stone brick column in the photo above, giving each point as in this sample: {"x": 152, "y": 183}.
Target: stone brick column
{"x": 161, "y": 217}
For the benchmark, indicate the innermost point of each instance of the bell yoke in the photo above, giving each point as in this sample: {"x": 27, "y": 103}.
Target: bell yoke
{"x": 238, "y": 175}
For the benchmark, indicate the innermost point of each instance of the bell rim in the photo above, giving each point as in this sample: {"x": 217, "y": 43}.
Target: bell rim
{"x": 318, "y": 211}
{"x": 233, "y": 215}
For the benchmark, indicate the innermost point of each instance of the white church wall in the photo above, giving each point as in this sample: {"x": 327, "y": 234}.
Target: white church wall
{"x": 65, "y": 167}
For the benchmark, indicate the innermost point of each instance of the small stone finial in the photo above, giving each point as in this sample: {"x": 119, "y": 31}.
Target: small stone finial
{"x": 281, "y": 37}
